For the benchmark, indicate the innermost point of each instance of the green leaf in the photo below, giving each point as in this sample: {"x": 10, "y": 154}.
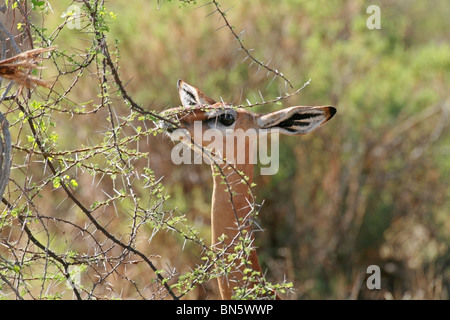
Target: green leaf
{"x": 57, "y": 182}
{"x": 37, "y": 3}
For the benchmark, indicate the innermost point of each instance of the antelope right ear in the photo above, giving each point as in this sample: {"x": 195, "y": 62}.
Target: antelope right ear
{"x": 296, "y": 120}
{"x": 192, "y": 96}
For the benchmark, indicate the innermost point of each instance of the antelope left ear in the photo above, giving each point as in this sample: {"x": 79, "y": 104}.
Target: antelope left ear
{"x": 192, "y": 96}
{"x": 296, "y": 120}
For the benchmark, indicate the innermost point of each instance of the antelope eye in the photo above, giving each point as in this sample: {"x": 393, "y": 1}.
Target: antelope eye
{"x": 227, "y": 119}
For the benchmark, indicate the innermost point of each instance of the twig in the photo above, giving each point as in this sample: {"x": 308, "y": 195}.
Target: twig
{"x": 247, "y": 51}
{"x": 277, "y": 99}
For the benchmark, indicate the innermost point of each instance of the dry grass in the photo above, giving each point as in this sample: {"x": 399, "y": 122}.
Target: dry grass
{"x": 19, "y": 67}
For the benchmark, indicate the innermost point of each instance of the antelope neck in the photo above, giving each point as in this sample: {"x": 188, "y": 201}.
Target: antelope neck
{"x": 230, "y": 211}
{"x": 231, "y": 199}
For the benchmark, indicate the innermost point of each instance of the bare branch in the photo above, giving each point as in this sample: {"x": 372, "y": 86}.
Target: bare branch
{"x": 243, "y": 48}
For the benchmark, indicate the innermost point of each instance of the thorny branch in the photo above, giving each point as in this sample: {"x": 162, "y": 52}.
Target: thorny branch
{"x": 276, "y": 72}
{"x": 59, "y": 164}
{"x": 15, "y": 68}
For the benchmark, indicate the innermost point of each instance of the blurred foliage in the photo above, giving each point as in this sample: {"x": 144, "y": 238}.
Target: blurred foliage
{"x": 370, "y": 187}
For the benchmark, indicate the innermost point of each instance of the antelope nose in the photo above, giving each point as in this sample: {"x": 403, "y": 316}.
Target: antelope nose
{"x": 170, "y": 129}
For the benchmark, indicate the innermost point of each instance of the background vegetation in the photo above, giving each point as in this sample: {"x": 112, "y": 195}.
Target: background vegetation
{"x": 96, "y": 209}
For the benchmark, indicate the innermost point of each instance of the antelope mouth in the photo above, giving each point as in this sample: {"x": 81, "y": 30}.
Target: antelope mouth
{"x": 166, "y": 127}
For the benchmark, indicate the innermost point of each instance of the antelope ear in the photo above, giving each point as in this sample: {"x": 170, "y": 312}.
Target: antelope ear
{"x": 296, "y": 120}
{"x": 191, "y": 96}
